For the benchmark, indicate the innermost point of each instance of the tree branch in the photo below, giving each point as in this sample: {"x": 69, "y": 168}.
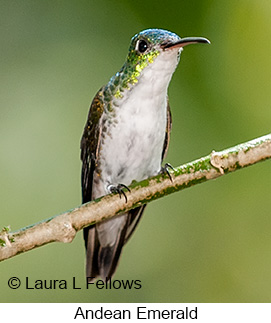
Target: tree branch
{"x": 64, "y": 227}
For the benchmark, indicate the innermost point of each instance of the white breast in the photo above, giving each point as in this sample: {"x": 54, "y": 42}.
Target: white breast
{"x": 133, "y": 148}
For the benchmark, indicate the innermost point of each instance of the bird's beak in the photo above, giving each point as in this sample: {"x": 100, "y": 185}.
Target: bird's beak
{"x": 187, "y": 41}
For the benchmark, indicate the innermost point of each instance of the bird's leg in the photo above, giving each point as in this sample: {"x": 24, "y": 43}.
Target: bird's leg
{"x": 165, "y": 170}
{"x": 118, "y": 189}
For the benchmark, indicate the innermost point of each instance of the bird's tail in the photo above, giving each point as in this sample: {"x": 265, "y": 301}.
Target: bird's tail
{"x": 101, "y": 258}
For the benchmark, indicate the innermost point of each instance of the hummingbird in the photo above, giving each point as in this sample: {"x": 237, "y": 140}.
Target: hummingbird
{"x": 126, "y": 138}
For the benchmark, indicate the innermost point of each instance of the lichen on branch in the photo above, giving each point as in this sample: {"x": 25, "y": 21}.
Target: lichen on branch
{"x": 63, "y": 227}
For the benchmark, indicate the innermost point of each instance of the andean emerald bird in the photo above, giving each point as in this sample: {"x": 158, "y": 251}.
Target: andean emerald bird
{"x": 126, "y": 138}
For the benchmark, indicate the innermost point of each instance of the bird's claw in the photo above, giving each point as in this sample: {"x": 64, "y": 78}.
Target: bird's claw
{"x": 118, "y": 189}
{"x": 165, "y": 170}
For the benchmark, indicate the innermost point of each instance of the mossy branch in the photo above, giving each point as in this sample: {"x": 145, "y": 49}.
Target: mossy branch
{"x": 64, "y": 227}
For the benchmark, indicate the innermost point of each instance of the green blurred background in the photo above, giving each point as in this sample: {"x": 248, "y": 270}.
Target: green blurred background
{"x": 210, "y": 243}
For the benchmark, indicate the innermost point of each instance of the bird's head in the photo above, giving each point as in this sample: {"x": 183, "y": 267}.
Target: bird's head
{"x": 152, "y": 57}
{"x": 147, "y": 45}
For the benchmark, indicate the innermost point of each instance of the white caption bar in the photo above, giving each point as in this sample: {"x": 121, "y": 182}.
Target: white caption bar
{"x": 109, "y": 312}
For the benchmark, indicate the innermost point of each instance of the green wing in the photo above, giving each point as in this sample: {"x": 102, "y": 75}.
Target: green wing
{"x": 90, "y": 145}
{"x": 168, "y": 130}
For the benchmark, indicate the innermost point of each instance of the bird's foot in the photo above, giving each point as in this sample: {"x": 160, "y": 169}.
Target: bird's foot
{"x": 165, "y": 170}
{"x": 118, "y": 189}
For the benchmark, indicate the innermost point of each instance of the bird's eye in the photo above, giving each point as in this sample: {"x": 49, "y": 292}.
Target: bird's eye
{"x": 142, "y": 46}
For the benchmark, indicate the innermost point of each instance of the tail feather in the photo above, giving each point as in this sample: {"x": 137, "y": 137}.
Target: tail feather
{"x": 109, "y": 257}
{"x": 102, "y": 261}
{"x": 92, "y": 249}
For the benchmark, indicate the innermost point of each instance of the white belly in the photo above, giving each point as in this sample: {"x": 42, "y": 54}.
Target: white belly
{"x": 133, "y": 151}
